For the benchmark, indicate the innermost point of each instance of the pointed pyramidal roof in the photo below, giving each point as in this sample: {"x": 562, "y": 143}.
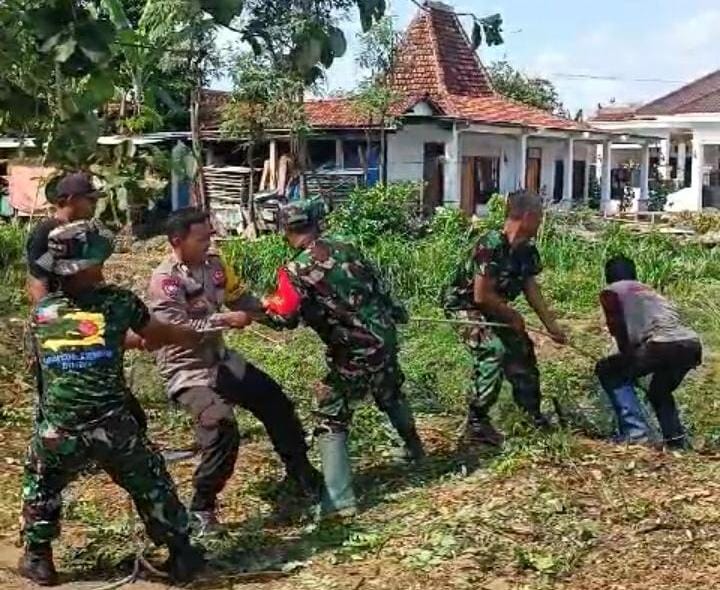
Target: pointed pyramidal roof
{"x": 435, "y": 62}
{"x": 435, "y": 57}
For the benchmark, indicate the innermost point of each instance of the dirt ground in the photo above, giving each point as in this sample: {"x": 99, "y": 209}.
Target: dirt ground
{"x": 554, "y": 511}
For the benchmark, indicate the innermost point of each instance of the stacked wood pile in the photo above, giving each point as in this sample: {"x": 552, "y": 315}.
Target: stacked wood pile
{"x": 333, "y": 186}
{"x": 227, "y": 184}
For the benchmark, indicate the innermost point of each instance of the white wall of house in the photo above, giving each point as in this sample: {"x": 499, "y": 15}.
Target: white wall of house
{"x": 406, "y": 154}
{"x": 406, "y": 150}
{"x": 695, "y": 131}
{"x": 494, "y": 146}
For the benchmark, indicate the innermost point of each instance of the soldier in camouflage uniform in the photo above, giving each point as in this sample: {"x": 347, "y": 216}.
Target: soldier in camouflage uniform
{"x": 502, "y": 265}
{"x": 340, "y": 295}
{"x": 79, "y": 330}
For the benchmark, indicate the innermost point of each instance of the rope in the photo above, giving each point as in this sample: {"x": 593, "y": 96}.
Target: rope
{"x": 572, "y": 347}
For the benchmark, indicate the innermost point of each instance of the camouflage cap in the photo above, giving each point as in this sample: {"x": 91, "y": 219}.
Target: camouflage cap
{"x": 75, "y": 183}
{"x": 73, "y": 247}
{"x": 301, "y": 213}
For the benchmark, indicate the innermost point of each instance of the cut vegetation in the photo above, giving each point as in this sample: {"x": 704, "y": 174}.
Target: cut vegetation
{"x": 564, "y": 510}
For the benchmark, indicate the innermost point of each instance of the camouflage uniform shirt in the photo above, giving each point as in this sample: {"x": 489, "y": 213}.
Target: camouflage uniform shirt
{"x": 80, "y": 343}
{"x": 492, "y": 256}
{"x": 346, "y": 303}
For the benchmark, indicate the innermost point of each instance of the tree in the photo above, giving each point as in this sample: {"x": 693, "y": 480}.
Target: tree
{"x": 533, "y": 91}
{"x": 262, "y": 98}
{"x": 375, "y": 97}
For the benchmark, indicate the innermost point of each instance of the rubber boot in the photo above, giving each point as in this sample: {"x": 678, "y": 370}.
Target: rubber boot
{"x": 37, "y": 565}
{"x": 185, "y": 562}
{"x": 401, "y": 417}
{"x": 632, "y": 426}
{"x": 338, "y": 497}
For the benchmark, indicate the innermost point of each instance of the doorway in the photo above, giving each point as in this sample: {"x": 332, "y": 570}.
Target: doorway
{"x": 559, "y": 186}
{"x": 433, "y": 176}
{"x": 533, "y": 170}
{"x": 578, "y": 188}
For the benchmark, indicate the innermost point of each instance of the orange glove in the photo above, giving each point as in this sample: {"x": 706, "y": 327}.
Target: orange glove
{"x": 286, "y": 300}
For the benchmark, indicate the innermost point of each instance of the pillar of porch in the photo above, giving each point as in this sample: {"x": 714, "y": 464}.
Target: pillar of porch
{"x": 522, "y": 161}
{"x": 569, "y": 164}
{"x": 605, "y": 175}
{"x": 664, "y": 164}
{"x": 698, "y": 163}
{"x": 681, "y": 157}
{"x": 586, "y": 182}
{"x": 453, "y": 169}
{"x": 339, "y": 154}
{"x": 641, "y": 204}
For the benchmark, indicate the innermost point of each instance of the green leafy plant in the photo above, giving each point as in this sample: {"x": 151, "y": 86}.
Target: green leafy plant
{"x": 368, "y": 214}
{"x": 133, "y": 181}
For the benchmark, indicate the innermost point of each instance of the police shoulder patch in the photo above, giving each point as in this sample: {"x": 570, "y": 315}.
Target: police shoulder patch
{"x": 170, "y": 286}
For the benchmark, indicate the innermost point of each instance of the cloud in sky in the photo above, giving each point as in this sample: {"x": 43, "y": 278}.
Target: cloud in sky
{"x": 629, "y": 39}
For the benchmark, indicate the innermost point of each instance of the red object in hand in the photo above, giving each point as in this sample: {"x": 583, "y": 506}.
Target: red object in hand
{"x": 286, "y": 300}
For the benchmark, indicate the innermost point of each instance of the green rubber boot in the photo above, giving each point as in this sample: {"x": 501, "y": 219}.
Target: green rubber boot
{"x": 401, "y": 417}
{"x": 338, "y": 497}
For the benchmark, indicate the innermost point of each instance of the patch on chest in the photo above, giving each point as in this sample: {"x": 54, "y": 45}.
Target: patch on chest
{"x": 76, "y": 329}
{"x": 219, "y": 278}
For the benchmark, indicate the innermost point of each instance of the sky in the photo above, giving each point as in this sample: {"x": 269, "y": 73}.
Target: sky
{"x": 631, "y": 40}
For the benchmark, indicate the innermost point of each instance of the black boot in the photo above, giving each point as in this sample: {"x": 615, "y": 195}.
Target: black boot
{"x": 185, "y": 562}
{"x": 304, "y": 476}
{"x": 37, "y": 565}
{"x": 480, "y": 431}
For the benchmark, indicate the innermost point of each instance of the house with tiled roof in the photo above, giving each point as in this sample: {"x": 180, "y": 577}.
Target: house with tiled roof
{"x": 452, "y": 130}
{"x": 687, "y": 153}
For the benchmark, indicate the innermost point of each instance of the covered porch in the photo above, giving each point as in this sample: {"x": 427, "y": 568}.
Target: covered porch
{"x": 464, "y": 164}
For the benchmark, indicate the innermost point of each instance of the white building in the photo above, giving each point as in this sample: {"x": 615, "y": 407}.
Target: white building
{"x": 687, "y": 153}
{"x": 451, "y": 129}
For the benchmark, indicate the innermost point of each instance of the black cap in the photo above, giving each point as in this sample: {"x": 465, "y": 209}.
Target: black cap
{"x": 76, "y": 184}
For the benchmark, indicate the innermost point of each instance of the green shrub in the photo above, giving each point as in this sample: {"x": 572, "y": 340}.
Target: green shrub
{"x": 12, "y": 244}
{"x": 257, "y": 261}
{"x": 370, "y": 213}
{"x": 12, "y": 268}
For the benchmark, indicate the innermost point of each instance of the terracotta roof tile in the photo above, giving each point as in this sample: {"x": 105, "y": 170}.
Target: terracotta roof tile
{"x": 435, "y": 63}
{"x": 497, "y": 110}
{"x": 435, "y": 56}
{"x": 700, "y": 96}
{"x": 435, "y": 60}
{"x": 615, "y": 113}
{"x": 333, "y": 113}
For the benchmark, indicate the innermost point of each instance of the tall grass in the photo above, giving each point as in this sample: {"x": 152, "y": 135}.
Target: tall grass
{"x": 418, "y": 261}
{"x": 12, "y": 249}
{"x": 574, "y": 264}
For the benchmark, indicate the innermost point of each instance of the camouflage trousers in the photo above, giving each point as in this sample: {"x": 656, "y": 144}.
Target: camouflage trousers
{"x": 498, "y": 354}
{"x": 347, "y": 385}
{"x": 117, "y": 445}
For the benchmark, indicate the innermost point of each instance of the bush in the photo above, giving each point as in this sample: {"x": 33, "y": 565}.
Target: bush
{"x": 257, "y": 261}
{"x": 370, "y": 213}
{"x": 419, "y": 260}
{"x": 12, "y": 244}
{"x": 659, "y": 191}
{"x": 701, "y": 223}
{"x": 12, "y": 272}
